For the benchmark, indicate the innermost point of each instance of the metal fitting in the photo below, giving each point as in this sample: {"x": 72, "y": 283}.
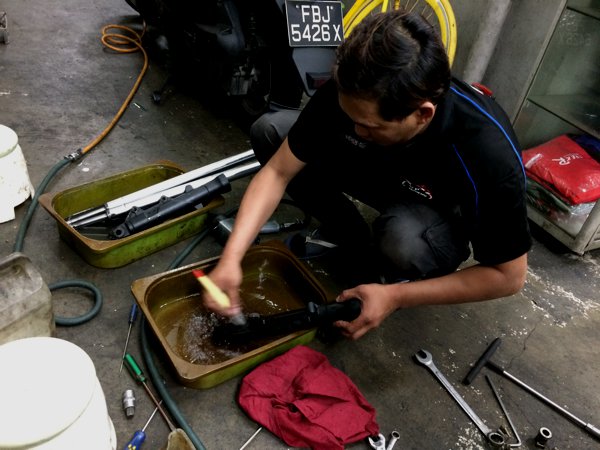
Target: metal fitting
{"x": 223, "y": 228}
{"x": 543, "y": 436}
{"x": 76, "y": 155}
{"x": 129, "y": 403}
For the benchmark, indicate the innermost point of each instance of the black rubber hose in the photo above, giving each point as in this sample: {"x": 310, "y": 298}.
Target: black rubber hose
{"x": 153, "y": 373}
{"x": 170, "y": 404}
{"x": 192, "y": 245}
{"x": 34, "y": 202}
{"x": 188, "y": 249}
{"x": 18, "y": 247}
{"x": 72, "y": 321}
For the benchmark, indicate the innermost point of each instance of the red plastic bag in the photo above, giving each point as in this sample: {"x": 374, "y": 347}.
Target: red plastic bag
{"x": 562, "y": 166}
{"x": 300, "y": 397}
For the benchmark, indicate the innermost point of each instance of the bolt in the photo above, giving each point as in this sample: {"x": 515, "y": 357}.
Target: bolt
{"x": 129, "y": 403}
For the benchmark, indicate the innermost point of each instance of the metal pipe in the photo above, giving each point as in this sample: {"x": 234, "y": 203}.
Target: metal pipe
{"x": 594, "y": 431}
{"x": 486, "y": 40}
{"x": 484, "y": 361}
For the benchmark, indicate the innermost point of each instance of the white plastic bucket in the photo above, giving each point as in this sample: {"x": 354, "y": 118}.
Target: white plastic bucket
{"x": 51, "y": 398}
{"x": 15, "y": 186}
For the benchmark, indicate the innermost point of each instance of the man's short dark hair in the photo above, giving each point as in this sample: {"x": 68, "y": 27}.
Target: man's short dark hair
{"x": 395, "y": 58}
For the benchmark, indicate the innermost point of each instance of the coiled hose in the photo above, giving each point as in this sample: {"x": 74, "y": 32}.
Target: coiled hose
{"x": 121, "y": 44}
{"x": 72, "y": 321}
{"x": 129, "y": 42}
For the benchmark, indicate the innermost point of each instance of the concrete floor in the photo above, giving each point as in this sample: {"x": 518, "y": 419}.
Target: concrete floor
{"x": 59, "y": 88}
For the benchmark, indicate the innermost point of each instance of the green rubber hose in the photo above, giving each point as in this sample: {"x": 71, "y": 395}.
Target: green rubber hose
{"x": 73, "y": 321}
{"x": 34, "y": 202}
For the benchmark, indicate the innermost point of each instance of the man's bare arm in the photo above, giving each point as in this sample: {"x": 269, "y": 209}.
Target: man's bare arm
{"x": 260, "y": 200}
{"x": 476, "y": 283}
{"x": 258, "y": 203}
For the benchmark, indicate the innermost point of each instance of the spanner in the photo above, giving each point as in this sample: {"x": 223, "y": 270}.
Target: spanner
{"x": 378, "y": 442}
{"x": 495, "y": 438}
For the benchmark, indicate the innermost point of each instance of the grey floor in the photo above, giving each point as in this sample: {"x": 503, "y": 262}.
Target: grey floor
{"x": 59, "y": 88}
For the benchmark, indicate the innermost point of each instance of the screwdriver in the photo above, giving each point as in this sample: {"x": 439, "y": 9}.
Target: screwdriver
{"x": 138, "y": 375}
{"x": 132, "y": 317}
{"x": 140, "y": 436}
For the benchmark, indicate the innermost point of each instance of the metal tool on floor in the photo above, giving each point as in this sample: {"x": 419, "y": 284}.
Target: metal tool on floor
{"x": 484, "y": 361}
{"x": 129, "y": 403}
{"x": 495, "y": 438}
{"x": 510, "y": 422}
{"x": 130, "y": 320}
{"x": 140, "y": 435}
{"x": 379, "y": 443}
{"x": 542, "y": 438}
{"x": 138, "y": 375}
{"x": 178, "y": 439}
{"x": 258, "y": 430}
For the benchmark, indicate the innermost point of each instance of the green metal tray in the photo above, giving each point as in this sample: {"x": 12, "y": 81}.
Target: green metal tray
{"x": 274, "y": 281}
{"x": 119, "y": 252}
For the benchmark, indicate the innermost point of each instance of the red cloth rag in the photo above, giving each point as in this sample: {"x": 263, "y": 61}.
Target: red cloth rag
{"x": 300, "y": 397}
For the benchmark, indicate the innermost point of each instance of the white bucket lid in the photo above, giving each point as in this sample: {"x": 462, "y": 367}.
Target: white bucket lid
{"x": 8, "y": 140}
{"x": 45, "y": 385}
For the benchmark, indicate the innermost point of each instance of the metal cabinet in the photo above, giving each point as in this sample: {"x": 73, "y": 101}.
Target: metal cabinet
{"x": 564, "y": 97}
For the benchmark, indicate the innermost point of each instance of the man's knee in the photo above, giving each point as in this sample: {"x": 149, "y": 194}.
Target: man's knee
{"x": 415, "y": 242}
{"x": 268, "y": 132}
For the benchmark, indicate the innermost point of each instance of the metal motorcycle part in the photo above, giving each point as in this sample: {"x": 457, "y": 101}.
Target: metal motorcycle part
{"x": 510, "y": 422}
{"x": 167, "y": 207}
{"x": 543, "y": 436}
{"x": 313, "y": 315}
{"x": 495, "y": 438}
{"x": 230, "y": 167}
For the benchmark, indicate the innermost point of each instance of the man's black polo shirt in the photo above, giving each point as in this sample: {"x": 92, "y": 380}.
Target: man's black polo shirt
{"x": 467, "y": 163}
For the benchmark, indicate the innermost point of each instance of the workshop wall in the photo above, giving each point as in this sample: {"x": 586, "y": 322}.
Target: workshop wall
{"x": 526, "y": 31}
{"x": 468, "y": 15}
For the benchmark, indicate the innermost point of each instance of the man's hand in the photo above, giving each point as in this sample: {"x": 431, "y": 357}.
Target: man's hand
{"x": 377, "y": 304}
{"x": 229, "y": 278}
{"x": 473, "y": 284}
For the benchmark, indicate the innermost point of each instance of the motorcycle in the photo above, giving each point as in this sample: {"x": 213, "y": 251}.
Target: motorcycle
{"x": 259, "y": 53}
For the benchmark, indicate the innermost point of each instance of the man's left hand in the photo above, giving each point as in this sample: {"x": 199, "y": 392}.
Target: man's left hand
{"x": 377, "y": 304}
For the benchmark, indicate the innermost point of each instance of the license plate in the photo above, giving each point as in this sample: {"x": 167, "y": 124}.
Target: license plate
{"x": 314, "y": 23}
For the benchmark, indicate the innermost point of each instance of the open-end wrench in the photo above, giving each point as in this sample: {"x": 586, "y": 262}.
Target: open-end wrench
{"x": 495, "y": 438}
{"x": 378, "y": 442}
